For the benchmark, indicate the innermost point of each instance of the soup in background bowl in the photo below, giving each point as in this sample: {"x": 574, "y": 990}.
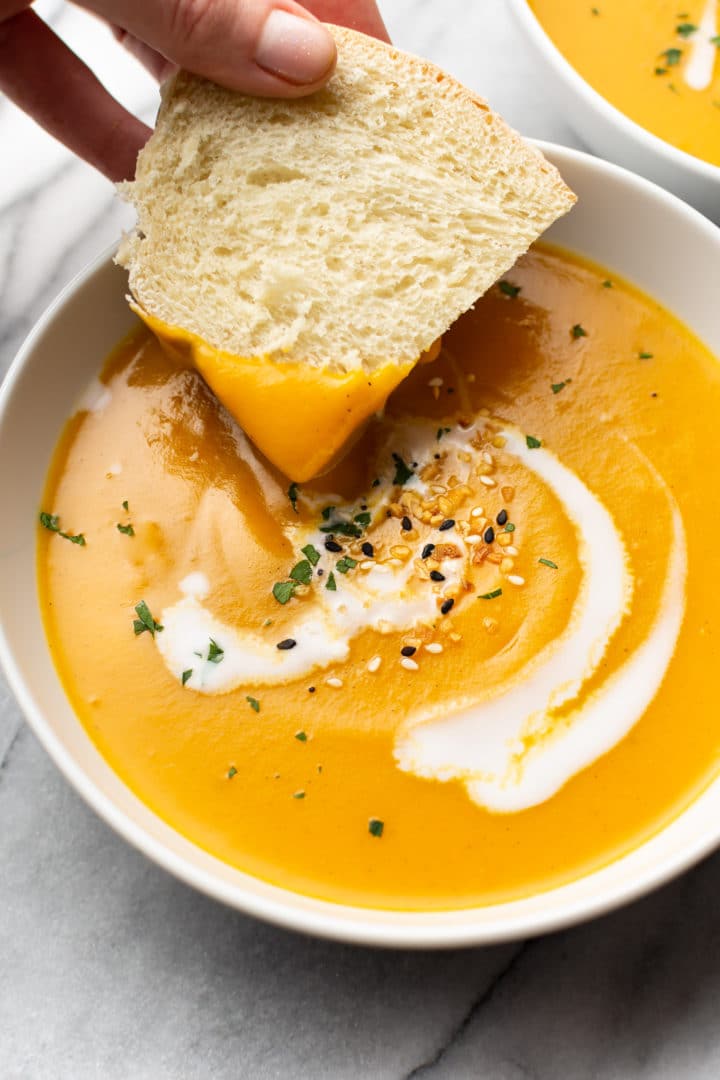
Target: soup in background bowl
{"x": 639, "y": 83}
{"x": 352, "y": 809}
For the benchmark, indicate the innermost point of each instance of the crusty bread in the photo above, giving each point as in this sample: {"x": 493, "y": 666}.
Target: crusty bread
{"x": 346, "y": 229}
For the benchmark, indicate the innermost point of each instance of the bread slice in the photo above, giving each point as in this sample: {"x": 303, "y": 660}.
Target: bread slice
{"x": 345, "y": 231}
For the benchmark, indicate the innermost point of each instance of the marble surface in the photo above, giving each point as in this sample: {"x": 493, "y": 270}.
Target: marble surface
{"x": 112, "y": 970}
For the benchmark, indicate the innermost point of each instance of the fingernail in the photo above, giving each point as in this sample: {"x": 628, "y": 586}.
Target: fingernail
{"x": 296, "y": 49}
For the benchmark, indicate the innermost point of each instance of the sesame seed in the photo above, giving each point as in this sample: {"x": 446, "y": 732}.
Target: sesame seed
{"x": 332, "y": 545}
{"x": 489, "y": 535}
{"x": 409, "y": 664}
{"x": 487, "y": 458}
{"x": 408, "y": 650}
{"x": 434, "y": 647}
{"x": 487, "y": 481}
{"x": 448, "y": 606}
{"x": 502, "y": 517}
{"x": 427, "y": 550}
{"x": 515, "y": 579}
{"x": 448, "y": 523}
{"x": 374, "y": 664}
{"x": 473, "y": 538}
{"x": 511, "y": 550}
{"x": 406, "y": 524}
{"x": 437, "y": 381}
{"x": 334, "y": 682}
{"x": 368, "y": 549}
{"x": 435, "y": 575}
{"x": 477, "y": 511}
{"x": 287, "y": 643}
{"x": 367, "y": 564}
{"x": 311, "y": 689}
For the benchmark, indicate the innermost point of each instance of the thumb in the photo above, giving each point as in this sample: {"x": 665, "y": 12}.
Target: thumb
{"x": 273, "y": 48}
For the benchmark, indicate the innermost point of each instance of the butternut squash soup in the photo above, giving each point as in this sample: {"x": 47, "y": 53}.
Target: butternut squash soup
{"x": 656, "y": 61}
{"x": 476, "y": 660}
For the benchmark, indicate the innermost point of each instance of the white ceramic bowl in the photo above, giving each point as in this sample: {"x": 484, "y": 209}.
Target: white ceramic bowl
{"x": 625, "y": 223}
{"x": 612, "y": 134}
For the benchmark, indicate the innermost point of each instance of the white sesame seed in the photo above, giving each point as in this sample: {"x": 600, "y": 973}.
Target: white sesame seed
{"x": 487, "y": 481}
{"x": 434, "y": 647}
{"x": 515, "y": 579}
{"x": 335, "y": 683}
{"x": 474, "y": 538}
{"x": 367, "y": 564}
{"x": 511, "y": 550}
{"x": 409, "y": 664}
{"x": 437, "y": 381}
{"x": 375, "y": 663}
{"x": 487, "y": 458}
{"x": 477, "y": 511}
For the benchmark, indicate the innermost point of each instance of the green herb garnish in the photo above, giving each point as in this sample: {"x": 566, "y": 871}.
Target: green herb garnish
{"x": 509, "y": 527}
{"x": 491, "y": 595}
{"x": 186, "y": 675}
{"x": 298, "y": 794}
{"x": 402, "y": 471}
{"x": 661, "y": 71}
{"x": 556, "y": 387}
{"x": 312, "y": 553}
{"x": 364, "y": 518}
{"x": 125, "y": 505}
{"x": 232, "y": 771}
{"x": 345, "y": 564}
{"x": 532, "y": 442}
{"x": 284, "y": 591}
{"x": 686, "y": 29}
{"x": 301, "y": 736}
{"x": 607, "y": 284}
{"x": 215, "y": 652}
{"x": 253, "y": 703}
{"x": 342, "y": 528}
{"x": 145, "y": 620}
{"x": 672, "y": 57}
{"x": 715, "y": 41}
{"x": 302, "y": 572}
{"x": 293, "y": 496}
{"x": 548, "y": 562}
{"x": 441, "y": 431}
{"x": 578, "y": 331}
{"x": 331, "y": 584}
{"x": 326, "y": 512}
{"x": 375, "y": 827}
{"x": 509, "y": 290}
{"x": 645, "y": 356}
{"x": 126, "y": 529}
{"x": 51, "y": 522}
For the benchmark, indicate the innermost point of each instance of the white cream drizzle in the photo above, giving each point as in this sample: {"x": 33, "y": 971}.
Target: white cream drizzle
{"x": 698, "y": 71}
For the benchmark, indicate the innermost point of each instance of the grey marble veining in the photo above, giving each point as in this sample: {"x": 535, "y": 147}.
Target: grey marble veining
{"x": 112, "y": 970}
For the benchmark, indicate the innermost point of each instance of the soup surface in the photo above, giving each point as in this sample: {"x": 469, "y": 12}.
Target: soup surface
{"x": 453, "y": 671}
{"x": 656, "y": 61}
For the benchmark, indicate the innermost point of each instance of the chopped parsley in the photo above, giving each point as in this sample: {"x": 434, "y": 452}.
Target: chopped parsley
{"x": 293, "y": 496}
{"x": 301, "y": 736}
{"x": 51, "y": 522}
{"x": 548, "y": 562}
{"x": 125, "y": 505}
{"x": 331, "y": 584}
{"x": 509, "y": 527}
{"x": 715, "y": 41}
{"x": 145, "y": 621}
{"x": 302, "y": 572}
{"x": 298, "y": 794}
{"x": 326, "y": 512}
{"x": 253, "y": 703}
{"x": 491, "y": 595}
{"x": 607, "y": 284}
{"x": 284, "y": 591}
{"x": 578, "y": 331}
{"x": 375, "y": 827}
{"x": 364, "y": 518}
{"x": 686, "y": 29}
{"x": 402, "y": 471}
{"x": 126, "y": 529}
{"x": 532, "y": 443}
{"x": 342, "y": 528}
{"x": 441, "y": 431}
{"x": 672, "y": 57}
{"x": 216, "y": 653}
{"x": 661, "y": 71}
{"x": 186, "y": 675}
{"x": 645, "y": 356}
{"x": 345, "y": 564}
{"x": 507, "y": 289}
{"x": 232, "y": 771}
{"x": 556, "y": 387}
{"x": 312, "y": 554}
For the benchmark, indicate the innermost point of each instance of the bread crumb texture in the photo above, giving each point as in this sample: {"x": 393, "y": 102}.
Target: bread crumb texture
{"x": 344, "y": 230}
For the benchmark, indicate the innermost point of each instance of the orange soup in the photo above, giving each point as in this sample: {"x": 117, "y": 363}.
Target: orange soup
{"x": 656, "y": 61}
{"x": 453, "y": 671}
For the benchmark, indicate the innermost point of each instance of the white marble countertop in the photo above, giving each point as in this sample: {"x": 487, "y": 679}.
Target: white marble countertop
{"x": 112, "y": 970}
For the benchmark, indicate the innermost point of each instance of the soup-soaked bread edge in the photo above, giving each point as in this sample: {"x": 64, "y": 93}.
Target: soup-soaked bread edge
{"x": 344, "y": 230}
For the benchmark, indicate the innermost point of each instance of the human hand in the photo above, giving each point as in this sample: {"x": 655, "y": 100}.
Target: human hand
{"x": 273, "y": 48}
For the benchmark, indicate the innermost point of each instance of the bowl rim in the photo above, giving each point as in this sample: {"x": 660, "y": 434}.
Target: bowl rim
{"x": 592, "y": 97}
{"x": 325, "y": 919}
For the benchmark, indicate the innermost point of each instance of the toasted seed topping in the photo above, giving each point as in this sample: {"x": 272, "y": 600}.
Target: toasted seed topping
{"x": 406, "y": 524}
{"x": 435, "y": 575}
{"x": 332, "y": 545}
{"x": 374, "y": 664}
{"x": 448, "y": 605}
{"x": 448, "y": 523}
{"x": 287, "y": 643}
{"x": 408, "y": 650}
{"x": 502, "y": 517}
{"x": 434, "y": 647}
{"x": 489, "y": 535}
{"x": 368, "y": 549}
{"x": 409, "y": 664}
{"x": 334, "y": 682}
{"x": 427, "y": 550}
{"x": 515, "y": 579}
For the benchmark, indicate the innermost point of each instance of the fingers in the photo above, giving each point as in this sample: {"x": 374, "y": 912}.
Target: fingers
{"x": 153, "y": 61}
{"x": 48, "y": 81}
{"x": 275, "y": 48}
{"x": 360, "y": 15}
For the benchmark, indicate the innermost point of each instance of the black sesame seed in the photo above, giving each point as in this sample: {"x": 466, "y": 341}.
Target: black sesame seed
{"x": 406, "y": 524}
{"x": 447, "y": 606}
{"x": 332, "y": 545}
{"x": 436, "y": 456}
{"x": 311, "y": 689}
{"x": 320, "y": 572}
{"x": 388, "y": 513}
{"x": 502, "y": 517}
{"x": 368, "y": 549}
{"x": 435, "y": 575}
{"x": 427, "y": 551}
{"x": 489, "y": 535}
{"x": 287, "y": 643}
{"x": 446, "y": 524}
{"x": 414, "y": 464}
{"x": 363, "y": 506}
{"x": 408, "y": 650}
